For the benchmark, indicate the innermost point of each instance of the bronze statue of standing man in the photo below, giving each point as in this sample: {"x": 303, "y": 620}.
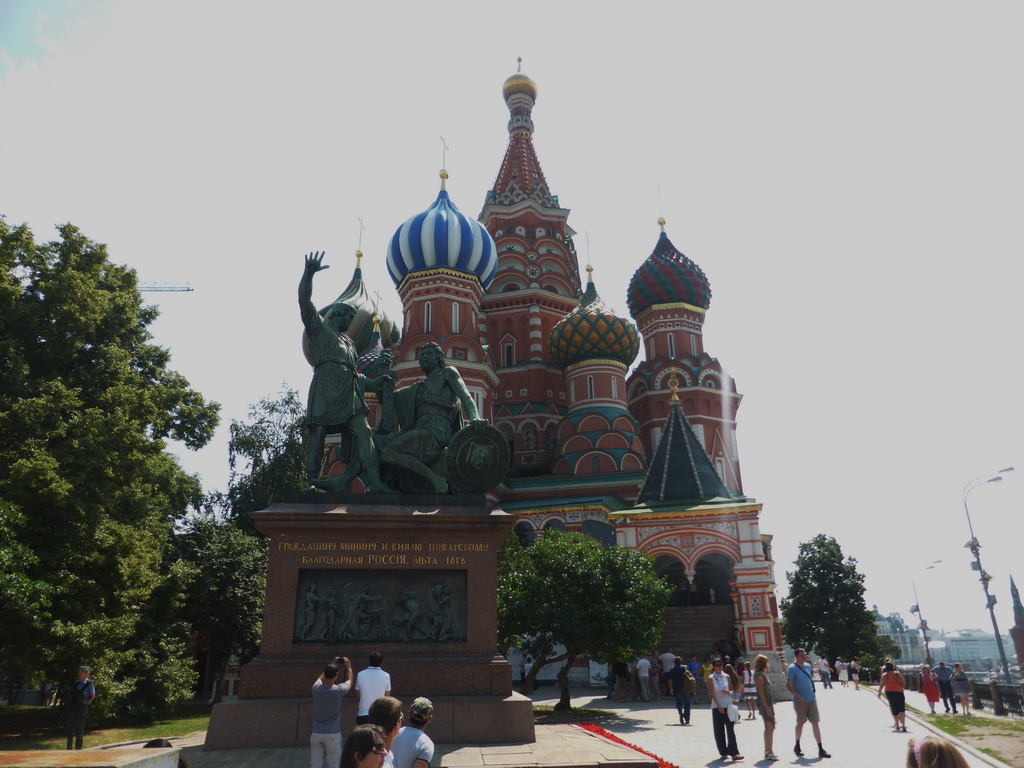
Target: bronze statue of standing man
{"x": 335, "y": 402}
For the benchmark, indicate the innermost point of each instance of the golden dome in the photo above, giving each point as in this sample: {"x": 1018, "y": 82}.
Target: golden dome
{"x": 519, "y": 83}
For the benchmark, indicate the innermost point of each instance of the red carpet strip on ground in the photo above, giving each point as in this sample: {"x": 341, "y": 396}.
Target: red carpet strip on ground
{"x": 612, "y": 737}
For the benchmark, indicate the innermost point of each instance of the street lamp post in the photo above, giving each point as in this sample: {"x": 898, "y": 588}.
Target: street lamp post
{"x": 975, "y": 547}
{"x": 923, "y": 623}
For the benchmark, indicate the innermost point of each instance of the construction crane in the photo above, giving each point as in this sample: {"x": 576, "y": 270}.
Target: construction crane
{"x": 165, "y": 287}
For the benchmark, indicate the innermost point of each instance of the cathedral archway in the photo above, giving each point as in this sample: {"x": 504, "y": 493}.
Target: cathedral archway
{"x": 673, "y": 572}
{"x": 600, "y": 530}
{"x": 711, "y": 582}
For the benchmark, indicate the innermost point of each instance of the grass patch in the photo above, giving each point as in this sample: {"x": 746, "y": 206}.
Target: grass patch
{"x": 991, "y": 753}
{"x": 45, "y": 727}
{"x": 954, "y": 725}
{"x": 546, "y": 715}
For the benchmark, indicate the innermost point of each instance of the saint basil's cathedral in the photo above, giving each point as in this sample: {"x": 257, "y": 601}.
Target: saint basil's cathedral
{"x": 645, "y": 459}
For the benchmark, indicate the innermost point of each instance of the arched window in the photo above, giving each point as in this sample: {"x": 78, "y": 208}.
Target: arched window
{"x": 595, "y": 464}
{"x": 615, "y": 390}
{"x": 509, "y": 356}
{"x": 671, "y": 347}
{"x": 590, "y": 387}
{"x": 426, "y": 317}
{"x": 455, "y": 317}
{"x": 693, "y": 345}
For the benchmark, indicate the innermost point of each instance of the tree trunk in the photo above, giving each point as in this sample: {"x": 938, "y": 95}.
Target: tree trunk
{"x": 565, "y": 701}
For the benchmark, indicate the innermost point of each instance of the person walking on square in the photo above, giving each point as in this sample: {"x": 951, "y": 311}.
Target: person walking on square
{"x": 929, "y": 687}
{"x": 805, "y": 703}
{"x": 749, "y": 690}
{"x": 855, "y": 672}
{"x": 412, "y": 748}
{"x": 765, "y": 703}
{"x": 655, "y": 676}
{"x": 944, "y": 675}
{"x": 698, "y": 674}
{"x": 825, "y": 671}
{"x": 682, "y": 685}
{"x": 643, "y": 678}
{"x": 720, "y": 693}
{"x": 371, "y": 684}
{"x": 666, "y": 661}
{"x": 961, "y": 688}
{"x": 83, "y": 693}
{"x": 893, "y": 685}
{"x": 328, "y": 693}
{"x": 844, "y": 673}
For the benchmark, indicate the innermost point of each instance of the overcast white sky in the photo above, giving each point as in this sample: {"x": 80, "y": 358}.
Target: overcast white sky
{"x": 848, "y": 176}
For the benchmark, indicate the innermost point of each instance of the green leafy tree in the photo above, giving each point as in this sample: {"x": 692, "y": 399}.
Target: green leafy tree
{"x": 221, "y": 556}
{"x": 566, "y": 595}
{"x": 87, "y": 401}
{"x": 825, "y": 609}
{"x": 224, "y": 573}
{"x": 265, "y": 454}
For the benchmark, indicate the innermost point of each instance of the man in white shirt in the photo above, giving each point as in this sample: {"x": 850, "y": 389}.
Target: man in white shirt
{"x": 643, "y": 674}
{"x": 371, "y": 684}
{"x": 825, "y": 671}
{"x": 668, "y": 660}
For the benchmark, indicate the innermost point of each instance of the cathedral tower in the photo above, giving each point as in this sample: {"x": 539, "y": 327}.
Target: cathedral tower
{"x": 536, "y": 284}
{"x": 442, "y": 262}
{"x": 669, "y": 297}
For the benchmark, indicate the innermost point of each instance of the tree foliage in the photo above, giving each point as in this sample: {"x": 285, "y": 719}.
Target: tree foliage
{"x": 224, "y": 573}
{"x": 566, "y": 590}
{"x": 265, "y": 454}
{"x": 86, "y": 404}
{"x": 825, "y": 609}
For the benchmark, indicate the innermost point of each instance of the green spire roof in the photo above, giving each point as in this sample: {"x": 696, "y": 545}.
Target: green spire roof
{"x": 681, "y": 470}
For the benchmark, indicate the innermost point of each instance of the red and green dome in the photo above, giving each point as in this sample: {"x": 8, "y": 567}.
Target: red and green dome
{"x": 667, "y": 277}
{"x": 593, "y": 331}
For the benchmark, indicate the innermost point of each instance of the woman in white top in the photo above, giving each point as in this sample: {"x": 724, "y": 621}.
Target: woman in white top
{"x": 720, "y": 693}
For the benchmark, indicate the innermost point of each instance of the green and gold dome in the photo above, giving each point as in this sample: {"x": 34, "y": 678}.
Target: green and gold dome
{"x": 593, "y": 332}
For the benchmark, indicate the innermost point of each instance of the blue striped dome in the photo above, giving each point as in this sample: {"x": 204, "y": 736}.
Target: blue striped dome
{"x": 442, "y": 237}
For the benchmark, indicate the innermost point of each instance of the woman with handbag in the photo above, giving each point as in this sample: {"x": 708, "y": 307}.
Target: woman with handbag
{"x": 720, "y": 693}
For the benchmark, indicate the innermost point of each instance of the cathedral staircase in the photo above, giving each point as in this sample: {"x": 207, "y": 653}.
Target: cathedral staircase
{"x": 696, "y": 629}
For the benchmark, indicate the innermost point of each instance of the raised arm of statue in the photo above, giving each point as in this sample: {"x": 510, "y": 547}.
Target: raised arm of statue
{"x": 310, "y": 317}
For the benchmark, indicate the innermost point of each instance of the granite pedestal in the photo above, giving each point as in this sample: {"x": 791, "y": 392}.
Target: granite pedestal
{"x": 412, "y": 577}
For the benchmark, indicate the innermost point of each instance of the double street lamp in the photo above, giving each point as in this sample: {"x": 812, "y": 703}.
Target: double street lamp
{"x": 975, "y": 547}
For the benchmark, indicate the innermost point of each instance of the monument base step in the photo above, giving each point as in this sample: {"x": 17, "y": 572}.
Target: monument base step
{"x": 278, "y": 723}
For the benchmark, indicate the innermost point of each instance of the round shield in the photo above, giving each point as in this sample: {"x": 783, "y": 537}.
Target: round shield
{"x": 477, "y": 459}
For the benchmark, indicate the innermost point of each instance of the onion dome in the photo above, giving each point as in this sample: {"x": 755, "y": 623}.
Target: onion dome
{"x": 519, "y": 83}
{"x": 667, "y": 277}
{"x": 593, "y": 331}
{"x": 373, "y": 351}
{"x": 442, "y": 237}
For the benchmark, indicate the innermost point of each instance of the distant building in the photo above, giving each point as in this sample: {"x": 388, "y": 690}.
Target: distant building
{"x": 906, "y": 639}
